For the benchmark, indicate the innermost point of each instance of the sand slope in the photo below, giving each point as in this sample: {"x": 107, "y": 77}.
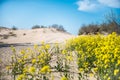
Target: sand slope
{"x": 48, "y": 35}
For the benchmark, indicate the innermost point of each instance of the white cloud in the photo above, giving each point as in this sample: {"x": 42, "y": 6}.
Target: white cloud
{"x": 92, "y": 5}
{"x": 86, "y": 5}
{"x": 111, "y": 3}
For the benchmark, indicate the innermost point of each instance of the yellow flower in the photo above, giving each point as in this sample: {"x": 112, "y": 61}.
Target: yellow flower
{"x": 32, "y": 70}
{"x": 22, "y": 52}
{"x": 25, "y": 56}
{"x": 43, "y": 43}
{"x": 108, "y": 78}
{"x": 95, "y": 69}
{"x": 106, "y": 66}
{"x": 91, "y": 74}
{"x": 13, "y": 49}
{"x": 47, "y": 46}
{"x": 116, "y": 71}
{"x": 69, "y": 58}
{"x": 19, "y": 60}
{"x": 64, "y": 51}
{"x": 107, "y": 61}
{"x": 45, "y": 69}
{"x": 21, "y": 77}
{"x": 35, "y": 46}
{"x": 25, "y": 70}
{"x": 118, "y": 63}
{"x": 8, "y": 67}
{"x": 33, "y": 61}
{"x": 81, "y": 70}
{"x": 64, "y": 78}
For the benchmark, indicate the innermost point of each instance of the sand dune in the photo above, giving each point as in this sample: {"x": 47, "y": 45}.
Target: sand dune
{"x": 48, "y": 35}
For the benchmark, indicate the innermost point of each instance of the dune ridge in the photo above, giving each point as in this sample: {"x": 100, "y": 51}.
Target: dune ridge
{"x": 48, "y": 35}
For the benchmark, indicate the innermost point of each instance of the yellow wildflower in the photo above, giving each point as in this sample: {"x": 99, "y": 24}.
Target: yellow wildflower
{"x": 33, "y": 61}
{"x": 64, "y": 51}
{"x": 47, "y": 46}
{"x": 8, "y": 67}
{"x": 95, "y": 69}
{"x": 116, "y": 71}
{"x": 91, "y": 74}
{"x": 35, "y": 46}
{"x": 32, "y": 70}
{"x": 64, "y": 78}
{"x": 69, "y": 58}
{"x": 108, "y": 78}
{"x": 81, "y": 70}
{"x": 118, "y": 63}
{"x": 21, "y": 77}
{"x": 25, "y": 70}
{"x": 22, "y": 52}
{"x": 45, "y": 69}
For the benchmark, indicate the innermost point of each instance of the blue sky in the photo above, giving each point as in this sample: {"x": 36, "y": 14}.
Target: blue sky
{"x": 69, "y": 13}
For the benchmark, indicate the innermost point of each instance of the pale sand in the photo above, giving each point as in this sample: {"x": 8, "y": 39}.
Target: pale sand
{"x": 48, "y": 35}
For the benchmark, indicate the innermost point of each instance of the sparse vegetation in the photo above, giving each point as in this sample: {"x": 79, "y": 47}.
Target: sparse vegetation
{"x": 38, "y": 26}
{"x": 5, "y": 36}
{"x": 14, "y": 28}
{"x": 24, "y": 34}
{"x": 84, "y": 56}
{"x": 56, "y": 26}
{"x": 3, "y": 28}
{"x": 111, "y": 24}
{"x": 89, "y": 29}
{"x": 12, "y": 34}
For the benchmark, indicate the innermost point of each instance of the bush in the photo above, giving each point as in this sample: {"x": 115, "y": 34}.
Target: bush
{"x": 36, "y": 27}
{"x": 14, "y": 28}
{"x": 89, "y": 29}
{"x": 111, "y": 24}
{"x": 58, "y": 27}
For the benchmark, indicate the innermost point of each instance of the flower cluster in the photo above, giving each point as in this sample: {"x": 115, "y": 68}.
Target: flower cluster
{"x": 98, "y": 55}
{"x": 31, "y": 63}
{"x": 81, "y": 57}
